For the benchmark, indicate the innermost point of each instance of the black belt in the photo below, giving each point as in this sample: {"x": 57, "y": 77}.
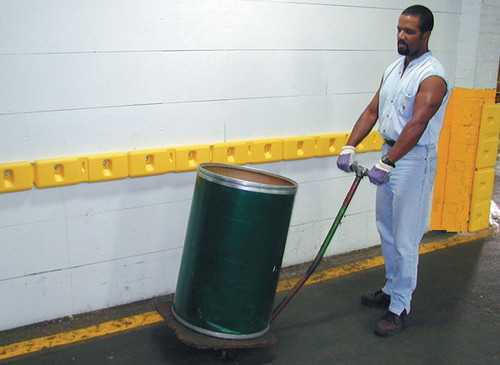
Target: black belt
{"x": 390, "y": 142}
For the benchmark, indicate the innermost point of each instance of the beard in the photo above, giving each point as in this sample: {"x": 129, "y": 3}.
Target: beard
{"x": 403, "y": 48}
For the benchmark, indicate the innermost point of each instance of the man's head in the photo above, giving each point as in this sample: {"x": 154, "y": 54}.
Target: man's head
{"x": 414, "y": 29}
{"x": 426, "y": 22}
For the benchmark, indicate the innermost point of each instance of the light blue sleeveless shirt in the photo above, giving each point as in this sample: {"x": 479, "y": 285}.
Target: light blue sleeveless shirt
{"x": 397, "y": 96}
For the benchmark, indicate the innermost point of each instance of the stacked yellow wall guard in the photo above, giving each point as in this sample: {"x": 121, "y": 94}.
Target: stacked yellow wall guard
{"x": 464, "y": 181}
{"x": 467, "y": 154}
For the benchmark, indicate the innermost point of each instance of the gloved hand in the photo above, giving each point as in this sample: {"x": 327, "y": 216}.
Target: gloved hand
{"x": 379, "y": 173}
{"x": 347, "y": 158}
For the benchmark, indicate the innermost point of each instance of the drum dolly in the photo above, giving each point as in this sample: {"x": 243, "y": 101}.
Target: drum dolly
{"x": 227, "y": 348}
{"x": 230, "y": 348}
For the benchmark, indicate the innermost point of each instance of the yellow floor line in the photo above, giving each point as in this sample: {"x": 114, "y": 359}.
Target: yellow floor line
{"x": 379, "y": 260}
{"x": 149, "y": 318}
{"x": 65, "y": 338}
{"x": 333, "y": 273}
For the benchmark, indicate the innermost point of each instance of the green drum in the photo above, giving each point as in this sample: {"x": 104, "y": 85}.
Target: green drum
{"x": 233, "y": 250}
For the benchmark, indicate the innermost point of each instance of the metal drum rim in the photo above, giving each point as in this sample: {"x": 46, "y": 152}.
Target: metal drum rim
{"x": 233, "y": 182}
{"x": 226, "y": 336}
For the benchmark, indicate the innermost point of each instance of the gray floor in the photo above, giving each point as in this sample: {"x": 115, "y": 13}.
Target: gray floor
{"x": 455, "y": 320}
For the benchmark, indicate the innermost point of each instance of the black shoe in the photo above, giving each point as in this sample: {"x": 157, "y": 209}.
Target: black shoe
{"x": 390, "y": 324}
{"x": 376, "y": 300}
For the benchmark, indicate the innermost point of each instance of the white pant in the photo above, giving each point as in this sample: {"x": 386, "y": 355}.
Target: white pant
{"x": 403, "y": 208}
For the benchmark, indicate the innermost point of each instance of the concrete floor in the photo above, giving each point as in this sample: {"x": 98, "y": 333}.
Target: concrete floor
{"x": 455, "y": 320}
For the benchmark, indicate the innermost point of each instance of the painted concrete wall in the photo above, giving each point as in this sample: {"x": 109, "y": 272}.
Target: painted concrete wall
{"x": 478, "y": 44}
{"x": 87, "y": 77}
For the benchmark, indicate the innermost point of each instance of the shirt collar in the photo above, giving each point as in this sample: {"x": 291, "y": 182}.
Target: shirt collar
{"x": 418, "y": 60}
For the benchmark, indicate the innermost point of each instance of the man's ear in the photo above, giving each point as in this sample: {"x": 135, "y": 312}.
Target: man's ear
{"x": 427, "y": 35}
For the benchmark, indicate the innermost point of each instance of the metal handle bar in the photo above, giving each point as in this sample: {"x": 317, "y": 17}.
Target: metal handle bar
{"x": 360, "y": 173}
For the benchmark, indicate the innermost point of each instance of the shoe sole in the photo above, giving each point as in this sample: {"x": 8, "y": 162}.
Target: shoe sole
{"x": 382, "y": 333}
{"x": 388, "y": 333}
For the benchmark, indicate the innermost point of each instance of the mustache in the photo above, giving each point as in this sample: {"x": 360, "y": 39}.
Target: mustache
{"x": 403, "y": 43}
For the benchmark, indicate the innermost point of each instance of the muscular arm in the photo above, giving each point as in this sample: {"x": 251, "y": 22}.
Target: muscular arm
{"x": 365, "y": 122}
{"x": 427, "y": 101}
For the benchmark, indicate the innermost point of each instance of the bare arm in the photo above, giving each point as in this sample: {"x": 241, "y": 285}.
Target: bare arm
{"x": 428, "y": 100}
{"x": 365, "y": 122}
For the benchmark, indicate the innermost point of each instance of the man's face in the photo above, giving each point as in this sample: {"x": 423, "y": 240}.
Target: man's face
{"x": 410, "y": 39}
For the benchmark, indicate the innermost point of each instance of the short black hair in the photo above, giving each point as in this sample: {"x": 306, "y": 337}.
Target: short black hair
{"x": 426, "y": 22}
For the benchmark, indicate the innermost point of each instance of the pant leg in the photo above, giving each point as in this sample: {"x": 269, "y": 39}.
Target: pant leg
{"x": 384, "y": 223}
{"x": 408, "y": 193}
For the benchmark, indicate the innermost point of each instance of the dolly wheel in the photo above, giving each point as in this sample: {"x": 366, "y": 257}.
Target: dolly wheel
{"x": 230, "y": 354}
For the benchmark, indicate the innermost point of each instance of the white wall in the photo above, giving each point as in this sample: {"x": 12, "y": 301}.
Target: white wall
{"x": 87, "y": 77}
{"x": 489, "y": 45}
{"x": 478, "y": 44}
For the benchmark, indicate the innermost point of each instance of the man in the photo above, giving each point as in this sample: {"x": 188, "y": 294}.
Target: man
{"x": 409, "y": 105}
